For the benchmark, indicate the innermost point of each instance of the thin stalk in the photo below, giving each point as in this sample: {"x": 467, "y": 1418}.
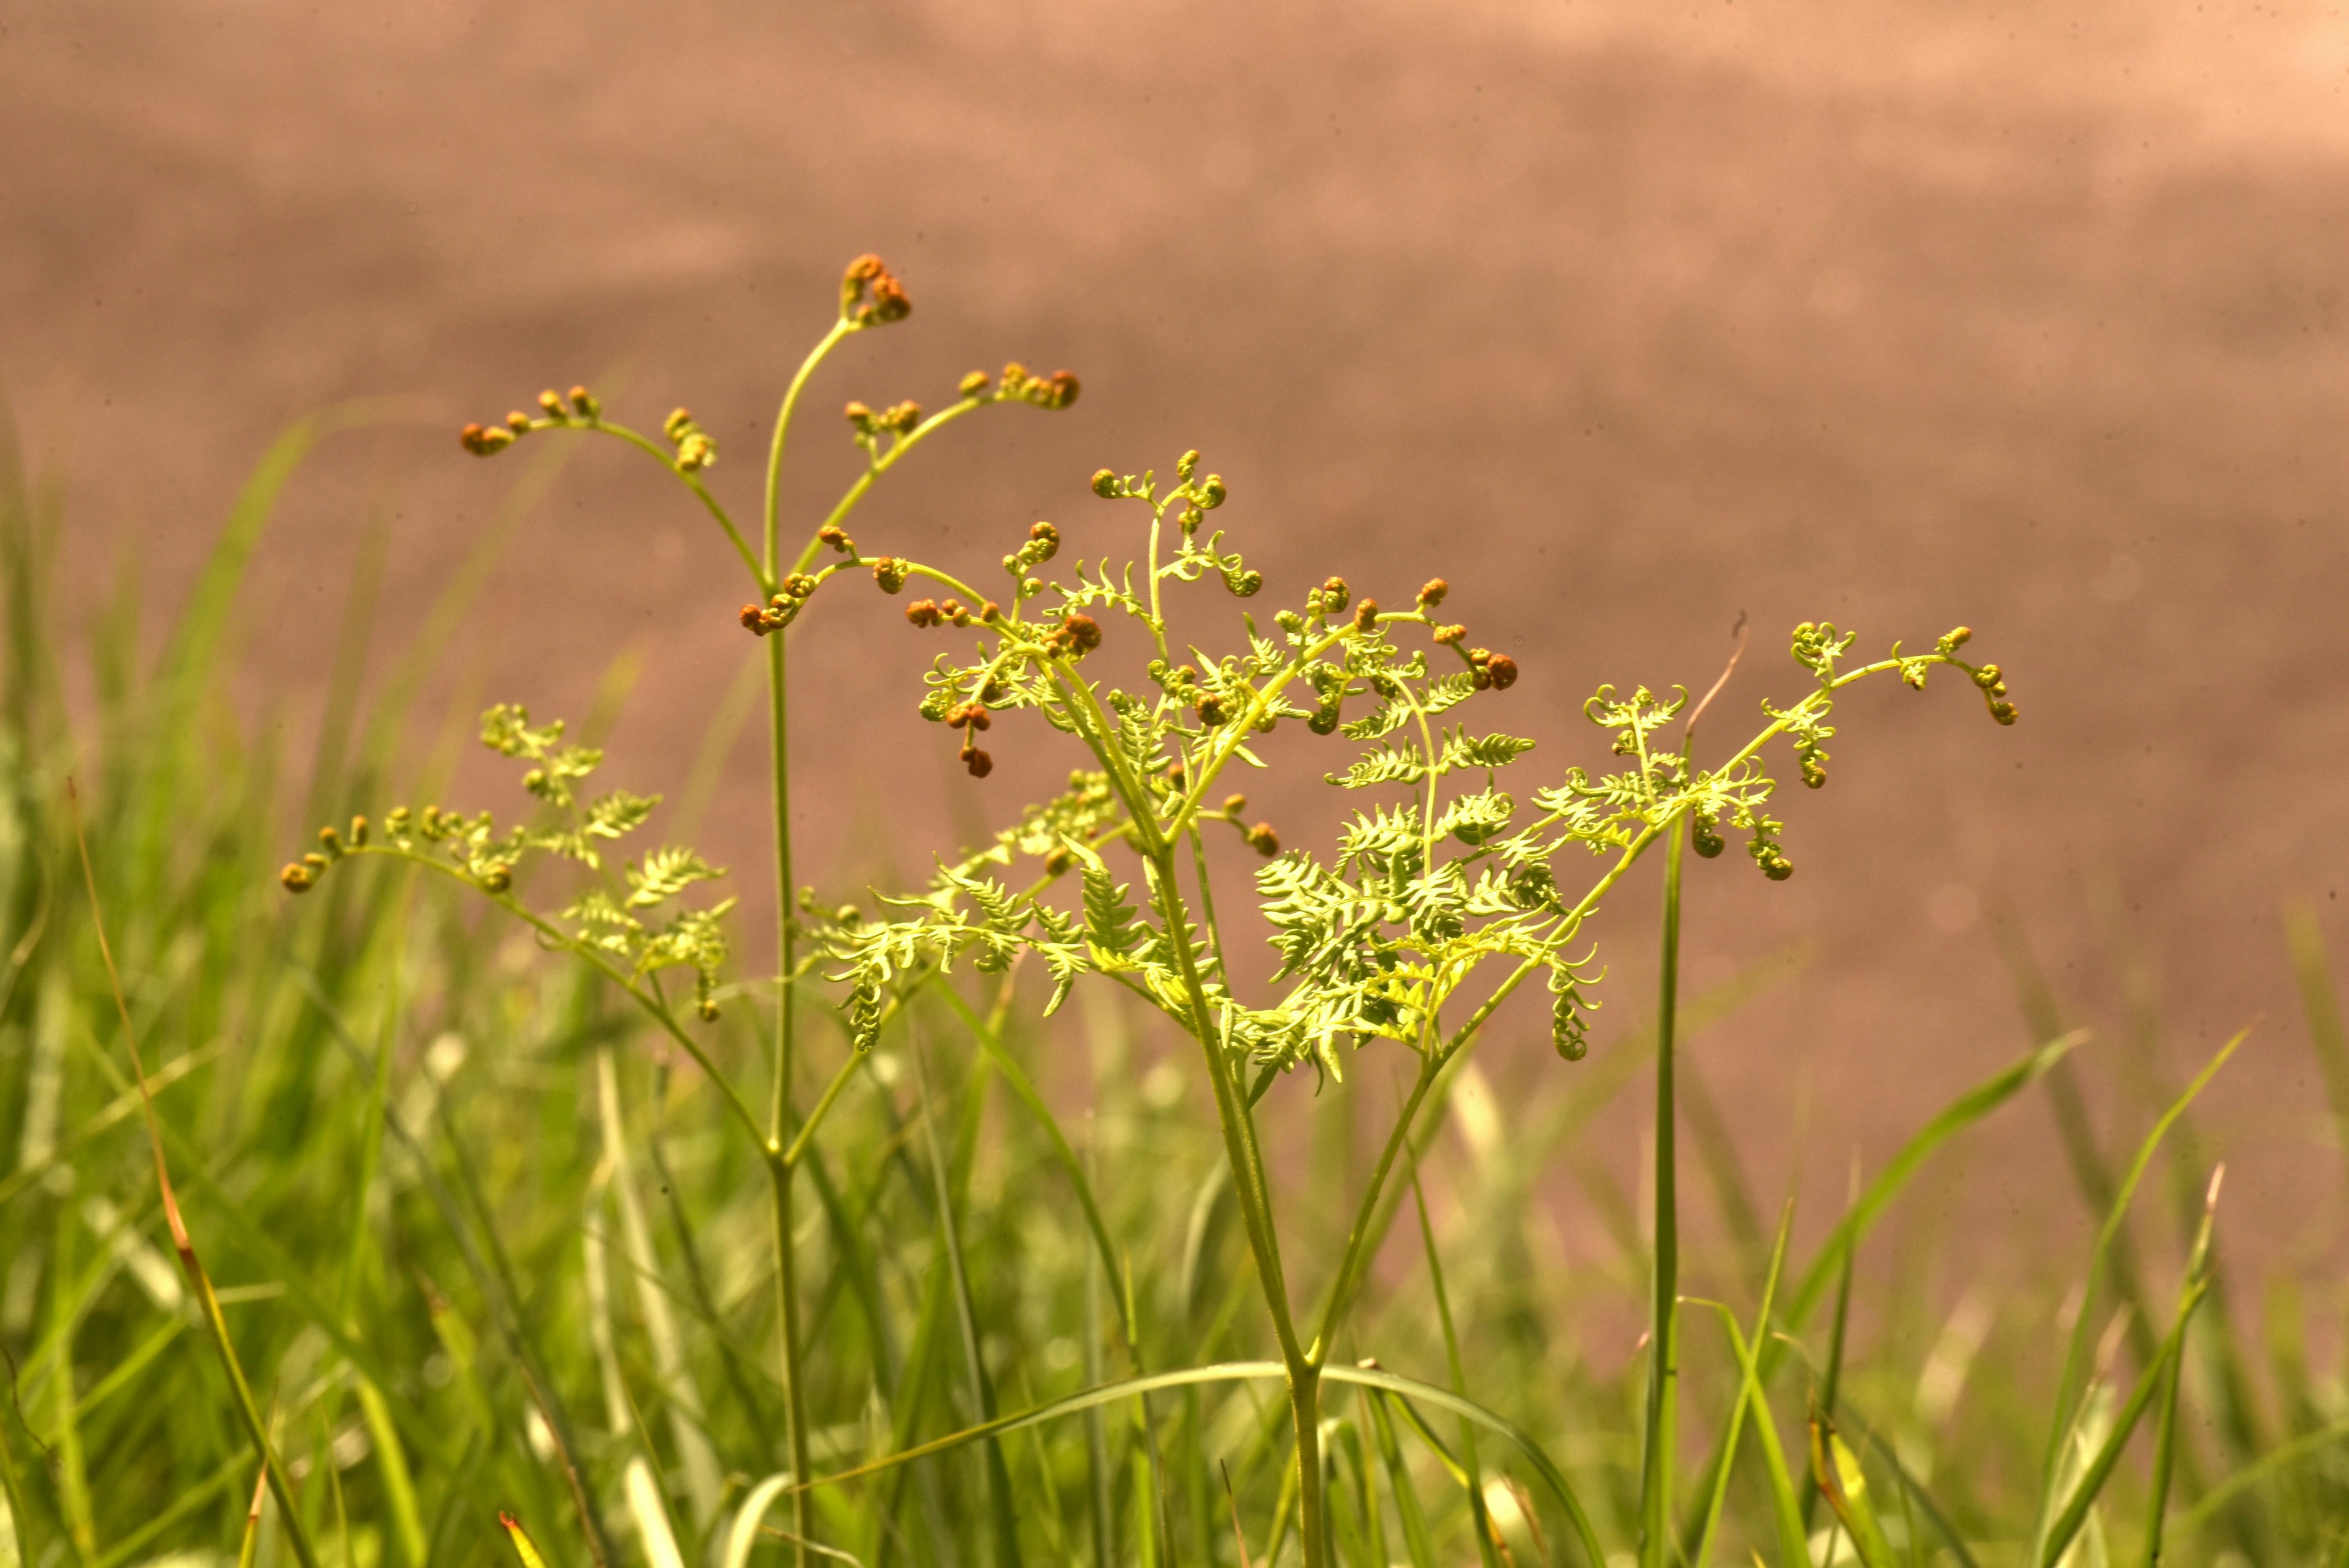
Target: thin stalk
{"x": 692, "y": 481}
{"x": 771, "y": 514}
{"x": 1656, "y": 1457}
{"x": 881, "y": 465}
{"x": 781, "y": 1170}
{"x": 1252, "y": 1192}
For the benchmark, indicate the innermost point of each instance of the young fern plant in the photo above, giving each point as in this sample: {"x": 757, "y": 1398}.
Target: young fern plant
{"x": 1391, "y": 938}
{"x": 617, "y": 924}
{"x": 1438, "y": 904}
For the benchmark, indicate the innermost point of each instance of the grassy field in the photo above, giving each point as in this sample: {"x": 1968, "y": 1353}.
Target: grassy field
{"x": 471, "y": 1233}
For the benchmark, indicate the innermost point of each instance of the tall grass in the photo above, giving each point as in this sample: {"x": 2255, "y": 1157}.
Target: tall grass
{"x": 480, "y": 1242}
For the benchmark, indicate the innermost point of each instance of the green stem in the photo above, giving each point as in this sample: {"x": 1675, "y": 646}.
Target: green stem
{"x": 692, "y": 482}
{"x": 1253, "y": 1192}
{"x": 881, "y": 465}
{"x": 781, "y": 1170}
{"x": 831, "y": 1096}
{"x": 556, "y": 936}
{"x": 1194, "y": 801}
{"x": 772, "y": 512}
{"x": 1656, "y": 1459}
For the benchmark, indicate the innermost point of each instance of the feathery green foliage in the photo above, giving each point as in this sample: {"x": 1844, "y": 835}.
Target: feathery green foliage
{"x": 498, "y": 1223}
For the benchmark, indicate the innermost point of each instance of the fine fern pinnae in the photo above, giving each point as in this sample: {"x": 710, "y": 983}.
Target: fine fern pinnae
{"x": 1374, "y": 944}
{"x": 610, "y": 925}
{"x": 1442, "y": 897}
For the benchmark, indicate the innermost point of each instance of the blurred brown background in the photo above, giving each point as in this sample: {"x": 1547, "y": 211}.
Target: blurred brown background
{"x": 1628, "y": 318}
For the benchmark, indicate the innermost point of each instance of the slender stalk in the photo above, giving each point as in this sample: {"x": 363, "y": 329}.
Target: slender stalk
{"x": 1656, "y": 1458}
{"x": 692, "y": 481}
{"x": 881, "y": 465}
{"x": 1251, "y": 1189}
{"x": 772, "y": 512}
{"x": 779, "y": 1171}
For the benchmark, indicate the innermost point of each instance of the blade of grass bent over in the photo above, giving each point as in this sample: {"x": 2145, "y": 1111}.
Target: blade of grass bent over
{"x": 1552, "y": 1478}
{"x": 198, "y": 1280}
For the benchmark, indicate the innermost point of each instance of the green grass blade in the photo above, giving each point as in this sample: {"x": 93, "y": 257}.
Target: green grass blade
{"x": 2091, "y": 1174}
{"x": 2200, "y": 1273}
{"x": 1747, "y": 1402}
{"x": 990, "y": 1041}
{"x": 2274, "y": 1462}
{"x": 688, "y": 1422}
{"x": 1553, "y": 1479}
{"x": 399, "y": 1481}
{"x": 2099, "y": 1469}
{"x": 1838, "y": 1331}
{"x": 1953, "y": 1119}
{"x": 1365, "y": 1495}
{"x": 20, "y": 1545}
{"x": 1959, "y": 1113}
{"x": 1786, "y": 1509}
{"x": 1472, "y": 1477}
{"x": 1408, "y": 1511}
{"x": 1100, "y": 1511}
{"x": 1837, "y": 1471}
{"x": 2164, "y": 1459}
{"x": 982, "y": 1388}
{"x": 2100, "y": 1256}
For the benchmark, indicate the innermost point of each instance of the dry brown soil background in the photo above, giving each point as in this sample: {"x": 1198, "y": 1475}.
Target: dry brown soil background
{"x": 1628, "y": 318}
